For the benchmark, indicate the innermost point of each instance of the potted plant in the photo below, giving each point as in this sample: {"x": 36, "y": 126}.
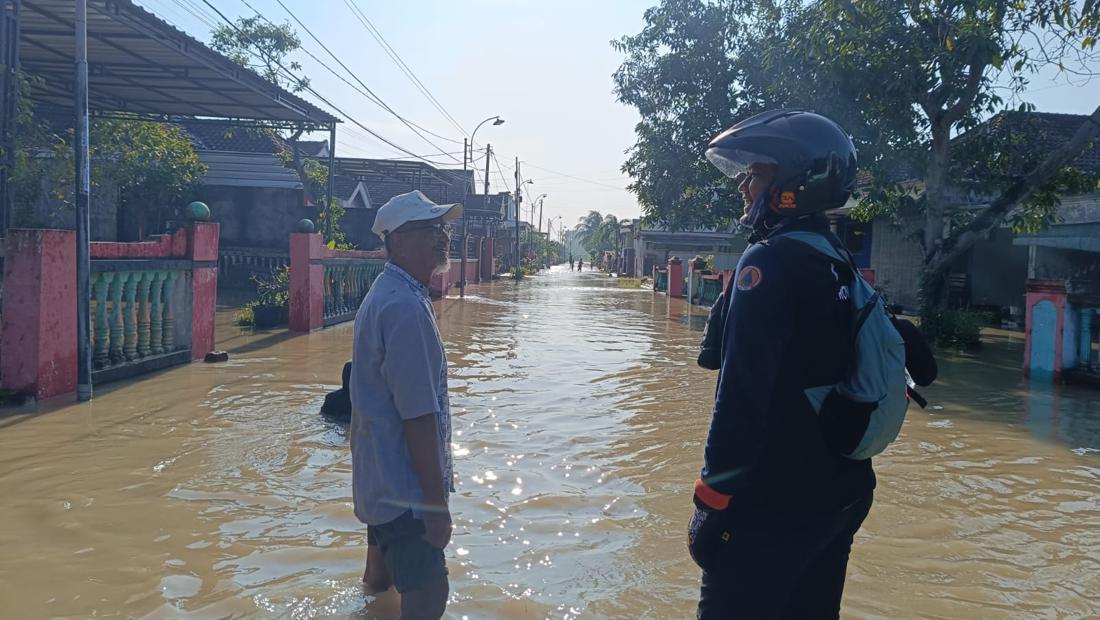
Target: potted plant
{"x": 272, "y": 305}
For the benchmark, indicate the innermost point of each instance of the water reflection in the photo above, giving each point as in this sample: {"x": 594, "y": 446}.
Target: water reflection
{"x": 214, "y": 491}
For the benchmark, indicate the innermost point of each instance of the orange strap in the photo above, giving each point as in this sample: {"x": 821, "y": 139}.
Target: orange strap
{"x": 710, "y": 497}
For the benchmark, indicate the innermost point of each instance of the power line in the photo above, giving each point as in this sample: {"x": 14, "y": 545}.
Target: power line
{"x": 366, "y": 22}
{"x": 315, "y": 93}
{"x": 378, "y": 99}
{"x": 576, "y": 178}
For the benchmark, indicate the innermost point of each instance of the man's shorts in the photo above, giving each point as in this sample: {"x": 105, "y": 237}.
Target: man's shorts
{"x": 411, "y": 561}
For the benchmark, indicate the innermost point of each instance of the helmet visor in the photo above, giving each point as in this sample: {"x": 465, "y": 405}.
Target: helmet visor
{"x": 733, "y": 162}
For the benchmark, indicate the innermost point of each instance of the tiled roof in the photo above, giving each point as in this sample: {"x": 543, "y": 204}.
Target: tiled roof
{"x": 1037, "y": 134}
{"x": 233, "y": 139}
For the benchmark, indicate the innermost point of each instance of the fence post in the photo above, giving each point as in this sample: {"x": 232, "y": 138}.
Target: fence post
{"x": 203, "y": 251}
{"x": 307, "y": 286}
{"x": 675, "y": 277}
{"x": 488, "y": 260}
{"x": 39, "y": 315}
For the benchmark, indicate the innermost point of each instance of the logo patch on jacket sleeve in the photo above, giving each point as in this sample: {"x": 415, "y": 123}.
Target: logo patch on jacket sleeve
{"x": 749, "y": 278}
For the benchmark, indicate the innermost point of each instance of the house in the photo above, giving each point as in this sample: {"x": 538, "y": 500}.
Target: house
{"x": 650, "y": 247}
{"x": 992, "y": 274}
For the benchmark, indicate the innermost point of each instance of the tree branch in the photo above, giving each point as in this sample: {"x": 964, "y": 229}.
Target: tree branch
{"x": 993, "y": 215}
{"x": 969, "y": 93}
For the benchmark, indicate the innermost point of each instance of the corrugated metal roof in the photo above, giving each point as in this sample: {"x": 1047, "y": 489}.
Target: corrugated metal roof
{"x": 140, "y": 63}
{"x": 247, "y": 170}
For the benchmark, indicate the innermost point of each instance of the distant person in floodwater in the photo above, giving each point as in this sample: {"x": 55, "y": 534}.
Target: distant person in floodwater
{"x": 402, "y": 467}
{"x": 580, "y": 265}
{"x": 777, "y": 503}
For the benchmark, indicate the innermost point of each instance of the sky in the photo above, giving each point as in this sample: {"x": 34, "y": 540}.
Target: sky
{"x": 544, "y": 66}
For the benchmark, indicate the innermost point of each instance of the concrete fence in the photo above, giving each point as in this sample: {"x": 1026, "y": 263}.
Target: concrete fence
{"x": 152, "y": 306}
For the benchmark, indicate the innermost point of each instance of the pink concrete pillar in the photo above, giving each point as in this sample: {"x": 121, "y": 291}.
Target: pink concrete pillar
{"x": 202, "y": 249}
{"x": 307, "y": 282}
{"x": 39, "y": 323}
{"x": 675, "y": 277}
{"x": 480, "y": 245}
{"x": 488, "y": 260}
{"x": 1045, "y": 333}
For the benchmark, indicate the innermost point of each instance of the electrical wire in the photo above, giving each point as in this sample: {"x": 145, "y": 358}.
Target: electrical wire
{"x": 376, "y": 98}
{"x": 320, "y": 97}
{"x": 575, "y": 178}
{"x": 377, "y": 34}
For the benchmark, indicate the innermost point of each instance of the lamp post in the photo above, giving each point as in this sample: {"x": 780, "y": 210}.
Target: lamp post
{"x": 538, "y": 203}
{"x": 465, "y": 219}
{"x": 549, "y": 234}
{"x": 519, "y": 187}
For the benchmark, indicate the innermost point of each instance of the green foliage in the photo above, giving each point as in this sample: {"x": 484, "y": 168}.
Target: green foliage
{"x": 957, "y": 328}
{"x": 246, "y": 316}
{"x": 262, "y": 46}
{"x": 273, "y": 290}
{"x": 152, "y": 165}
{"x": 904, "y": 78}
{"x": 598, "y": 233}
{"x": 317, "y": 175}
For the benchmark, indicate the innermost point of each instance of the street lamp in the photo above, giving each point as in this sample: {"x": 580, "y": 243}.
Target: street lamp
{"x": 465, "y": 220}
{"x": 549, "y": 233}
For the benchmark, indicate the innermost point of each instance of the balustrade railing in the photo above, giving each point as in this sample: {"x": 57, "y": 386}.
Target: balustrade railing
{"x": 660, "y": 279}
{"x": 346, "y": 282}
{"x": 710, "y": 287}
{"x": 1087, "y": 319}
{"x": 141, "y": 311}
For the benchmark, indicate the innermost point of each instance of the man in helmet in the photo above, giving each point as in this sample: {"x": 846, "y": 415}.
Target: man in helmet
{"x": 776, "y": 508}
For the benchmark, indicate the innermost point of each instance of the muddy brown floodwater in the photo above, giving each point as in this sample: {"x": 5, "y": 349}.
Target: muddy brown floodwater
{"x": 213, "y": 491}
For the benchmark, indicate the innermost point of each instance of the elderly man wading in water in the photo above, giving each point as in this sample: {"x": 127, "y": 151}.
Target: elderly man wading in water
{"x": 401, "y": 419}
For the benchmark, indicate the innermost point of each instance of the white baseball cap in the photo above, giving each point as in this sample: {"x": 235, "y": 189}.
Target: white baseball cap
{"x": 413, "y": 206}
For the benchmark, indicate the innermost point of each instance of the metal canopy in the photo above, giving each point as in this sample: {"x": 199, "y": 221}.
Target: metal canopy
{"x": 1084, "y": 237}
{"x": 140, "y": 64}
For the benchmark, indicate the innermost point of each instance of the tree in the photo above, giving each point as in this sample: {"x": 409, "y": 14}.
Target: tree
{"x": 933, "y": 71}
{"x": 587, "y": 227}
{"x": 153, "y": 166}
{"x": 906, "y": 78}
{"x": 257, "y": 43}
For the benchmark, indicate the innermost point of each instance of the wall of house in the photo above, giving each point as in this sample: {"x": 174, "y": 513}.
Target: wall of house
{"x": 1082, "y": 269}
{"x": 997, "y": 272}
{"x": 256, "y": 217}
{"x": 357, "y": 225}
{"x": 54, "y": 214}
{"x": 896, "y": 262}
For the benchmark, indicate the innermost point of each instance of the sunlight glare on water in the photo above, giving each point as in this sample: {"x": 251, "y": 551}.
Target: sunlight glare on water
{"x": 579, "y": 415}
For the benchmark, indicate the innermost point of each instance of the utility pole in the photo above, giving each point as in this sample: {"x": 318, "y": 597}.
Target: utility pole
{"x": 83, "y": 191}
{"x": 488, "y": 155}
{"x": 518, "y": 187}
{"x": 465, "y": 221}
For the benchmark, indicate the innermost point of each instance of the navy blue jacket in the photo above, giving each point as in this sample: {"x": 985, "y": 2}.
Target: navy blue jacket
{"x": 787, "y": 328}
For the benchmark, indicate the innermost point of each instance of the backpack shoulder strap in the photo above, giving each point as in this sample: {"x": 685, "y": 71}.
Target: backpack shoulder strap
{"x": 824, "y": 245}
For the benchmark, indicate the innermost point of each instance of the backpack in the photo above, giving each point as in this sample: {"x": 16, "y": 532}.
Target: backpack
{"x": 862, "y": 414}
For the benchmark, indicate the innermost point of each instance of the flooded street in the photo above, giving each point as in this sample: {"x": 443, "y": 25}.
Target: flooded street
{"x": 214, "y": 491}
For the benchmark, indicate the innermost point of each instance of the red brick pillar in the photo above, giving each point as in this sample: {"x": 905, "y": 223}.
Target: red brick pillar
{"x": 675, "y": 277}
{"x": 307, "y": 286}
{"x": 203, "y": 251}
{"x": 488, "y": 259}
{"x": 39, "y": 328}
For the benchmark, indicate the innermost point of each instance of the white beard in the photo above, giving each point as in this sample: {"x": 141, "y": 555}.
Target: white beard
{"x": 442, "y": 267}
